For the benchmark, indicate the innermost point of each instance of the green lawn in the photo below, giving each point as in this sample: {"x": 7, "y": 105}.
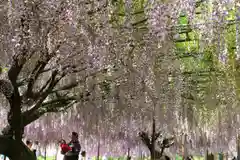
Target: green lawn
{"x": 48, "y": 158}
{"x": 194, "y": 157}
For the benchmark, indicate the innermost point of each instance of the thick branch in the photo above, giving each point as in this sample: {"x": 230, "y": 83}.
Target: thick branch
{"x": 66, "y": 87}
{"x": 35, "y": 74}
{"x": 75, "y": 84}
{"x": 47, "y": 83}
{"x": 24, "y": 81}
{"x": 56, "y": 106}
{"x": 59, "y": 107}
{"x": 25, "y": 52}
{"x": 146, "y": 140}
{"x": 157, "y": 135}
{"x": 43, "y": 95}
{"x": 59, "y": 100}
{"x": 134, "y": 13}
{"x": 14, "y": 72}
{"x": 28, "y": 117}
{"x": 139, "y": 22}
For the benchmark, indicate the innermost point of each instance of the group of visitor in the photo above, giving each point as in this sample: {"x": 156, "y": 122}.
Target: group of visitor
{"x": 34, "y": 147}
{"x": 69, "y": 151}
{"x": 72, "y": 149}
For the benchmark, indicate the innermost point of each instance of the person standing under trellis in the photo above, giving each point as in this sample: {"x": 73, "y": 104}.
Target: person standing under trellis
{"x": 64, "y": 147}
{"x": 36, "y": 148}
{"x": 75, "y": 148}
{"x": 29, "y": 144}
{"x": 83, "y": 155}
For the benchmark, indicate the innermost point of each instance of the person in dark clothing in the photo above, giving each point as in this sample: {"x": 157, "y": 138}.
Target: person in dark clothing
{"x": 75, "y": 148}
{"x": 83, "y": 154}
{"x": 189, "y": 158}
{"x": 35, "y": 152}
{"x": 35, "y": 148}
{"x": 29, "y": 144}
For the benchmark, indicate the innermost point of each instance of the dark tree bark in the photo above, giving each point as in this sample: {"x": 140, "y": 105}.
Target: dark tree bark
{"x": 8, "y": 148}
{"x": 150, "y": 142}
{"x": 16, "y": 118}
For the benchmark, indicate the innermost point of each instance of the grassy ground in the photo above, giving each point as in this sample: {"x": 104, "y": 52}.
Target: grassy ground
{"x": 48, "y": 158}
{"x": 194, "y": 157}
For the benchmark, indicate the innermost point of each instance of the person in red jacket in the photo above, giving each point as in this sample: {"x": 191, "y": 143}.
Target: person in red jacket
{"x": 64, "y": 147}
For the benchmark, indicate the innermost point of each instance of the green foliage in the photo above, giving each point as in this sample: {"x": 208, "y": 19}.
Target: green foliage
{"x": 231, "y": 14}
{"x": 203, "y": 72}
{"x": 138, "y": 10}
{"x": 47, "y": 158}
{"x": 3, "y": 69}
{"x": 198, "y": 62}
{"x": 118, "y": 15}
{"x": 230, "y": 38}
{"x": 183, "y": 20}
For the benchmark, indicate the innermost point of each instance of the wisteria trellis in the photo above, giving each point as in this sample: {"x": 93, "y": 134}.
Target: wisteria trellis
{"x": 136, "y": 44}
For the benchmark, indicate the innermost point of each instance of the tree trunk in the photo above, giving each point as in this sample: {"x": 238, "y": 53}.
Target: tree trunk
{"x": 15, "y": 131}
{"x": 8, "y": 148}
{"x": 128, "y": 154}
{"x": 16, "y": 125}
{"x": 156, "y": 155}
{"x": 153, "y": 156}
{"x": 150, "y": 141}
